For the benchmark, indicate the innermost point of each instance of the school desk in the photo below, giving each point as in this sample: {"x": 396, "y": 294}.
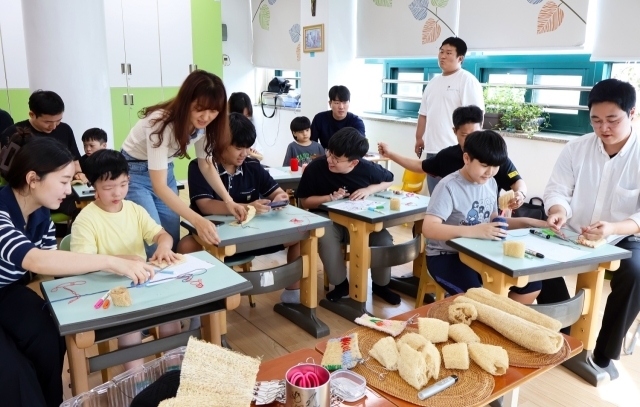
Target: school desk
{"x": 360, "y": 225}
{"x": 499, "y": 272}
{"x": 286, "y": 178}
{"x": 275, "y": 369}
{"x": 85, "y": 195}
{"x": 377, "y": 158}
{"x": 289, "y": 224}
{"x": 71, "y": 303}
{"x": 505, "y": 392}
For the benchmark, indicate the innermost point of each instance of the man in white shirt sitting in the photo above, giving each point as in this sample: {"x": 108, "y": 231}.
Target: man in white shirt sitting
{"x": 445, "y": 93}
{"x": 593, "y": 190}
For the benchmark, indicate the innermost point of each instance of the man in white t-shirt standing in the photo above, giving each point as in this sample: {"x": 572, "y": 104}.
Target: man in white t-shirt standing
{"x": 443, "y": 94}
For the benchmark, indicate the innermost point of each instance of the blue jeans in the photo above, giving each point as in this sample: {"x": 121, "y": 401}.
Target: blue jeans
{"x": 141, "y": 192}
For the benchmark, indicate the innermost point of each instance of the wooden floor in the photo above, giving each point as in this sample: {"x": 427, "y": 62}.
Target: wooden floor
{"x": 260, "y": 332}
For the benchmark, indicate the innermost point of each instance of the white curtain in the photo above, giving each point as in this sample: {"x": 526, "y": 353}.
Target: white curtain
{"x": 404, "y": 28}
{"x": 524, "y": 24}
{"x": 276, "y": 34}
{"x": 616, "y": 31}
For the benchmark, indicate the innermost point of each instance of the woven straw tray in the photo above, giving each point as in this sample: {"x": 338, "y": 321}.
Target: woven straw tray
{"x": 473, "y": 386}
{"x": 518, "y": 356}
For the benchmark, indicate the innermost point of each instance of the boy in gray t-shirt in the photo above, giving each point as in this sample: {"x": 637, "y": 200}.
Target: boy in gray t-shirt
{"x": 303, "y": 148}
{"x": 461, "y": 206}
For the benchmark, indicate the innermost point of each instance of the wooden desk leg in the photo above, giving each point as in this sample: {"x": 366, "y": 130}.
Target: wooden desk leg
{"x": 210, "y": 328}
{"x": 492, "y": 279}
{"x": 585, "y": 328}
{"x": 421, "y": 261}
{"x": 104, "y": 348}
{"x": 78, "y": 367}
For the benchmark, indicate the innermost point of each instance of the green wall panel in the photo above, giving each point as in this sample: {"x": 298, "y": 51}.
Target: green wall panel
{"x": 170, "y": 92}
{"x": 19, "y": 102}
{"x": 120, "y": 116}
{"x": 4, "y": 99}
{"x": 206, "y": 27}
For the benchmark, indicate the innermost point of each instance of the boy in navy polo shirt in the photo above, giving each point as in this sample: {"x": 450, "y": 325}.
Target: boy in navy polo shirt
{"x": 340, "y": 173}
{"x": 466, "y": 120}
{"x": 248, "y": 183}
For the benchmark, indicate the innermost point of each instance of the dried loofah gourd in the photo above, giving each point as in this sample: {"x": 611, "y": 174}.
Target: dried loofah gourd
{"x": 120, "y": 297}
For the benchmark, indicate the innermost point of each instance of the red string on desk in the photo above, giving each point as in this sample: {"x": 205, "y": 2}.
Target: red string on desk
{"x": 65, "y": 286}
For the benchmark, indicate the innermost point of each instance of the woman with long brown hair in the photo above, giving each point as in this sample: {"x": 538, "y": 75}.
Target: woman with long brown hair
{"x": 166, "y": 131}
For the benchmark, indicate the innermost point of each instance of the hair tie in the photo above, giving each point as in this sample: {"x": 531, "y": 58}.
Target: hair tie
{"x": 7, "y": 155}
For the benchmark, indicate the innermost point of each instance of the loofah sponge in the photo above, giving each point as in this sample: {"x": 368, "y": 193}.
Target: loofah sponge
{"x": 462, "y": 313}
{"x": 432, "y": 360}
{"x": 462, "y": 333}
{"x": 416, "y": 341}
{"x": 435, "y": 330}
{"x": 503, "y": 200}
{"x": 590, "y": 243}
{"x": 342, "y": 353}
{"x": 412, "y": 367}
{"x": 120, "y": 297}
{"x": 456, "y": 356}
{"x": 163, "y": 264}
{"x": 394, "y": 205}
{"x": 513, "y": 248}
{"x": 493, "y": 359}
{"x": 215, "y": 376}
{"x": 388, "y": 326}
{"x": 386, "y": 352}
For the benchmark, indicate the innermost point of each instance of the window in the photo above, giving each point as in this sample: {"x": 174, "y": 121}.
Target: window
{"x": 291, "y": 76}
{"x": 566, "y": 106}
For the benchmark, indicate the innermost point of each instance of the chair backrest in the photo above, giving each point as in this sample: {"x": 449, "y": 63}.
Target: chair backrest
{"x": 65, "y": 243}
{"x": 567, "y": 312}
{"x": 412, "y": 181}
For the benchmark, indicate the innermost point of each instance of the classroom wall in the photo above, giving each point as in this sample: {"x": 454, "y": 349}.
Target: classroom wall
{"x": 239, "y": 74}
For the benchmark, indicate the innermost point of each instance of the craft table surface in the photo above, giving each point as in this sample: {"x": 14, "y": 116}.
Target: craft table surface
{"x": 84, "y": 193}
{"x": 265, "y": 227}
{"x": 275, "y": 369}
{"x": 411, "y": 204}
{"x": 290, "y": 179}
{"x": 514, "y": 378}
{"x": 219, "y": 282}
{"x": 489, "y": 252}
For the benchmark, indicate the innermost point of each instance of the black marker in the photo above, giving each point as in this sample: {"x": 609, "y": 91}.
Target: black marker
{"x": 532, "y": 253}
{"x": 539, "y": 234}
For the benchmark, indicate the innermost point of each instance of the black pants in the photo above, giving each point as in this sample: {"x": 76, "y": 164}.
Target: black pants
{"x": 31, "y": 350}
{"x": 623, "y": 304}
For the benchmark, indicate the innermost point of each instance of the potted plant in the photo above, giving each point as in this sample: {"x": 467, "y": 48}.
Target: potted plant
{"x": 525, "y": 117}
{"x": 497, "y": 99}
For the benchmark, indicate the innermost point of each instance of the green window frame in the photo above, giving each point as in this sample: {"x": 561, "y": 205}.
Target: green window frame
{"x": 483, "y": 65}
{"x": 295, "y": 84}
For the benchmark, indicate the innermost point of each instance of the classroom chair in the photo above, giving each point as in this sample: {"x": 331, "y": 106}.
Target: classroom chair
{"x": 411, "y": 182}
{"x": 428, "y": 285}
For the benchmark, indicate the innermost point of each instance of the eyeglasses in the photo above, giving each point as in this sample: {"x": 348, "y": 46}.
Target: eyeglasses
{"x": 334, "y": 160}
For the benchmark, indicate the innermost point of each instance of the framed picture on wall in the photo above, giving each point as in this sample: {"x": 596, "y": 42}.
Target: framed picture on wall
{"x": 313, "y": 38}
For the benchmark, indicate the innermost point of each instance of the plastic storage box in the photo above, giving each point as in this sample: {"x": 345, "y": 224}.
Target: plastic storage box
{"x": 120, "y": 391}
{"x": 348, "y": 385}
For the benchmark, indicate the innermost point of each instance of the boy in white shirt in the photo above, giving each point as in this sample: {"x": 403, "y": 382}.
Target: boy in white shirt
{"x": 454, "y": 88}
{"x": 593, "y": 190}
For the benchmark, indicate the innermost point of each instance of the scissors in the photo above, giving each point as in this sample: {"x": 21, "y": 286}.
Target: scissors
{"x": 305, "y": 380}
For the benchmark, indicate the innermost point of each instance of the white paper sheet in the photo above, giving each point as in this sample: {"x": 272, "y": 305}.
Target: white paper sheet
{"x": 170, "y": 273}
{"x": 355, "y": 206}
{"x": 274, "y": 172}
{"x": 555, "y": 250}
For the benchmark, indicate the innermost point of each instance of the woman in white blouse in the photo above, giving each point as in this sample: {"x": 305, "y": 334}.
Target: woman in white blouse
{"x": 164, "y": 132}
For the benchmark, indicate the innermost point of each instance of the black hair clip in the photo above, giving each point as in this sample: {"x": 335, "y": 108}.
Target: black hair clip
{"x": 7, "y": 155}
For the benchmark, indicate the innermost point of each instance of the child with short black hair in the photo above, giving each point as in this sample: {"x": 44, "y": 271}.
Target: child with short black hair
{"x": 303, "y": 148}
{"x": 93, "y": 140}
{"x": 454, "y": 211}
{"x": 114, "y": 226}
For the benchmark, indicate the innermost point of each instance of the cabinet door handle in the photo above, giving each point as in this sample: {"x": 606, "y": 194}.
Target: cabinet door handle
{"x": 122, "y": 68}
{"x": 131, "y": 99}
{"x": 190, "y": 68}
{"x": 128, "y": 69}
{"x": 124, "y": 99}
{"x": 195, "y": 67}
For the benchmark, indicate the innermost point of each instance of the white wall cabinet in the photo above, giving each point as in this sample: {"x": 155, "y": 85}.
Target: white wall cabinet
{"x": 13, "y": 46}
{"x": 176, "y": 47}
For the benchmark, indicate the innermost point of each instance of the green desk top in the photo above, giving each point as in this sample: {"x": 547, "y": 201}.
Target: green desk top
{"x": 410, "y": 204}
{"x": 287, "y": 176}
{"x": 218, "y": 282}
{"x": 490, "y": 253}
{"x": 267, "y": 229}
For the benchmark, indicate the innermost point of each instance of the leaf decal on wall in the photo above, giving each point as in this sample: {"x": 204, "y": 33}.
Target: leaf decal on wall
{"x": 383, "y": 3}
{"x": 534, "y": 1}
{"x": 264, "y": 16}
{"x": 550, "y": 17}
{"x": 419, "y": 9}
{"x": 441, "y": 3}
{"x": 430, "y": 31}
{"x": 294, "y": 32}
{"x": 273, "y": 1}
{"x": 298, "y": 52}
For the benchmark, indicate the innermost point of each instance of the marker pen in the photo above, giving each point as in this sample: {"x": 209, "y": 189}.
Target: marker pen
{"x": 98, "y": 303}
{"x": 437, "y": 387}
{"x": 532, "y": 253}
{"x": 539, "y": 234}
